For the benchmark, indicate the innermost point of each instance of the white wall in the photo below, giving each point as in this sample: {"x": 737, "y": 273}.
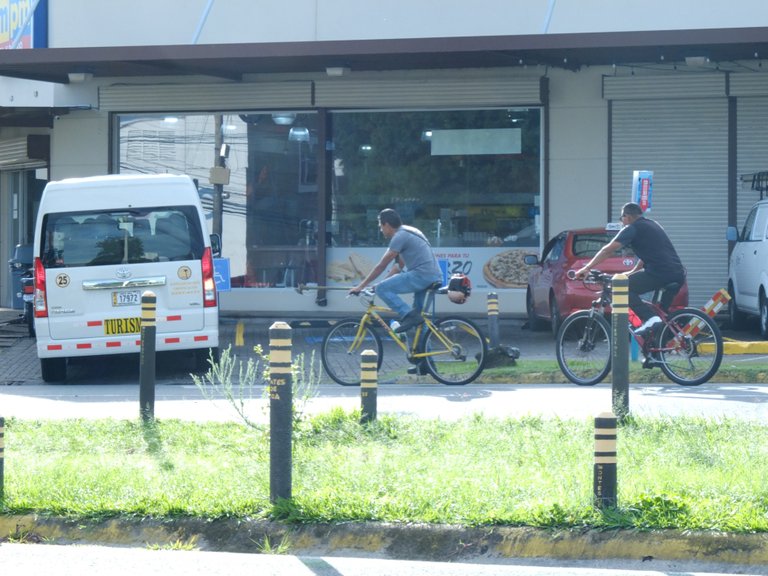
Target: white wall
{"x": 79, "y": 145}
{"x": 578, "y": 150}
{"x": 75, "y": 23}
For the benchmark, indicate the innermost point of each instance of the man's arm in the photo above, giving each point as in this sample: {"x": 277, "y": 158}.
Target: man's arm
{"x": 389, "y": 255}
{"x": 605, "y": 252}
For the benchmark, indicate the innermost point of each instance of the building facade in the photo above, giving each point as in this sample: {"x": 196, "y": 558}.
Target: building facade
{"x": 491, "y": 127}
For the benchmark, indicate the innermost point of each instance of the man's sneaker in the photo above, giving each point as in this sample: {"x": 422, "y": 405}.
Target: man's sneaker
{"x": 649, "y": 324}
{"x": 419, "y": 369}
{"x": 410, "y": 320}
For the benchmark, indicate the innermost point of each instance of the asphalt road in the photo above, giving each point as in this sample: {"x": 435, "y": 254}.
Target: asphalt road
{"x": 86, "y": 560}
{"x": 423, "y": 400}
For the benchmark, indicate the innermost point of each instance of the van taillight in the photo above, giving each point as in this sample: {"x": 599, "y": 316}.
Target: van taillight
{"x": 209, "y": 284}
{"x": 40, "y": 302}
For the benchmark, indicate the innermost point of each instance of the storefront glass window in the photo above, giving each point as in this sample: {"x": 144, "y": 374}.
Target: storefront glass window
{"x": 270, "y": 206}
{"x": 469, "y": 179}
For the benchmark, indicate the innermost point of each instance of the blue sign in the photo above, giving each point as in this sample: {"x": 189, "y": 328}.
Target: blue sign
{"x": 221, "y": 274}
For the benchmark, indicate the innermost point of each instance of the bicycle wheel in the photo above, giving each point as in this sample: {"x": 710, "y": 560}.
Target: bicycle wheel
{"x": 583, "y": 348}
{"x": 340, "y": 353}
{"x": 690, "y": 347}
{"x": 457, "y": 353}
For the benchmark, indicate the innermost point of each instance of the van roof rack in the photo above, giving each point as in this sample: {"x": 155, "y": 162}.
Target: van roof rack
{"x": 759, "y": 181}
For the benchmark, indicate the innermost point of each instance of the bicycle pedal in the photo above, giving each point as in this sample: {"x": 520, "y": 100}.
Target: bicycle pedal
{"x": 650, "y": 363}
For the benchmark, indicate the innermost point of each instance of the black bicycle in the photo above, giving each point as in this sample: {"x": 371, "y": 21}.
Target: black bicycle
{"x": 687, "y": 345}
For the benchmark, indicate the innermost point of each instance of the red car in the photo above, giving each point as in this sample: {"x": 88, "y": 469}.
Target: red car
{"x": 551, "y": 296}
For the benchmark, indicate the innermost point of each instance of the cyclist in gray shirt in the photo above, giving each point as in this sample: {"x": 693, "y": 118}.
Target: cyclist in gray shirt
{"x": 415, "y": 269}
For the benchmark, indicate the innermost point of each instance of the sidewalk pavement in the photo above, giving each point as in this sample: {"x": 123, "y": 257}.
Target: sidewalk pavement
{"x": 19, "y": 363}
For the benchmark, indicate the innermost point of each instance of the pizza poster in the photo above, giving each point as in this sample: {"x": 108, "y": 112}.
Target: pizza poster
{"x": 487, "y": 268}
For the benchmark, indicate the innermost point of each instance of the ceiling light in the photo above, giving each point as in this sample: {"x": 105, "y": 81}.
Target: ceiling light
{"x": 77, "y": 77}
{"x": 337, "y": 71}
{"x": 283, "y": 118}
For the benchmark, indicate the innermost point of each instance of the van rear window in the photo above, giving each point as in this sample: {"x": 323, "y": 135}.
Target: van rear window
{"x": 107, "y": 237}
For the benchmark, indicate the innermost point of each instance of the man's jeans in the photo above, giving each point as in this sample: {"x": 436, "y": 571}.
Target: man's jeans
{"x": 404, "y": 283}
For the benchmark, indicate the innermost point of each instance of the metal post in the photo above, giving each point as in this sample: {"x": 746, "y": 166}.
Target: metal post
{"x": 2, "y": 458}
{"x": 280, "y": 411}
{"x": 218, "y": 189}
{"x": 369, "y": 361}
{"x": 620, "y": 345}
{"x": 147, "y": 356}
{"x": 605, "y": 460}
{"x": 493, "y": 319}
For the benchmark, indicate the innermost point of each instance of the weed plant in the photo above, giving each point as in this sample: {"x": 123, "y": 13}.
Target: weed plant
{"x": 685, "y": 473}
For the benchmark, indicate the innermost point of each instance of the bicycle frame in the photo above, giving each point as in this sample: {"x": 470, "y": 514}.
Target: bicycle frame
{"x": 373, "y": 314}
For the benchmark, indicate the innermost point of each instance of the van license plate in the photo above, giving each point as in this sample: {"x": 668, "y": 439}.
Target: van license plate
{"x": 126, "y": 298}
{"x": 115, "y": 326}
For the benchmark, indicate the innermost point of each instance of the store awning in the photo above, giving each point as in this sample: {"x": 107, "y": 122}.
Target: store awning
{"x": 232, "y": 61}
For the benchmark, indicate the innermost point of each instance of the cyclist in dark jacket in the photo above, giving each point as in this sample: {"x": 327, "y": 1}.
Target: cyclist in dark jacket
{"x": 658, "y": 263}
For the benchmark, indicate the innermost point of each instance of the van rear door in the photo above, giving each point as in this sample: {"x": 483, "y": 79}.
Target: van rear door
{"x": 99, "y": 263}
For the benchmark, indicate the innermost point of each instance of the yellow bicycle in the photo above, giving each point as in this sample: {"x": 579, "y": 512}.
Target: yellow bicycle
{"x": 452, "y": 349}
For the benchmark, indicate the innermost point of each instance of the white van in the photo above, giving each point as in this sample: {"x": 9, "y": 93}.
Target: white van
{"x": 748, "y": 269}
{"x": 100, "y": 243}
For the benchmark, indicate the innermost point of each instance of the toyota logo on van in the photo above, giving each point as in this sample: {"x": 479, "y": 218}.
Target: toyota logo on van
{"x": 123, "y": 273}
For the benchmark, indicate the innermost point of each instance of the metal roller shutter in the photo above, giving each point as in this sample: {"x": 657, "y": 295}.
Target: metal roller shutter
{"x": 685, "y": 143}
{"x": 429, "y": 92}
{"x": 752, "y": 146}
{"x": 205, "y": 97}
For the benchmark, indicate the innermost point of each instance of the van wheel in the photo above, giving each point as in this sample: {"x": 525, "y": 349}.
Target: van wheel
{"x": 736, "y": 318}
{"x": 763, "y": 317}
{"x": 202, "y": 357}
{"x": 53, "y": 369}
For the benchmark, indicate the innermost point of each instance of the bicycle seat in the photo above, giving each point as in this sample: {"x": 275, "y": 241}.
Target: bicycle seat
{"x": 666, "y": 294}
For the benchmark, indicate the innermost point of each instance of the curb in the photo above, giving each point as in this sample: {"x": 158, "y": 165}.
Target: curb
{"x": 396, "y": 541}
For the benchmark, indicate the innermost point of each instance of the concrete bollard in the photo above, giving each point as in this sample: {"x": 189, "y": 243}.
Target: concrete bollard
{"x": 280, "y": 412}
{"x": 493, "y": 319}
{"x": 147, "y": 356}
{"x": 2, "y": 458}
{"x": 620, "y": 345}
{"x": 605, "y": 461}
{"x": 369, "y": 361}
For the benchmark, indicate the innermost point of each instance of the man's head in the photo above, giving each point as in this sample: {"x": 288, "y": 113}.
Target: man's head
{"x": 389, "y": 222}
{"x": 630, "y": 212}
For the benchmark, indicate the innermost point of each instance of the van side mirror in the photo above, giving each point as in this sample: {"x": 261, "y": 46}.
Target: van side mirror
{"x": 731, "y": 234}
{"x": 216, "y": 245}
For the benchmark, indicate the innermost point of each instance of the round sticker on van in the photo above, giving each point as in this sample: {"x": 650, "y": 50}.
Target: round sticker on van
{"x": 185, "y": 272}
{"x": 62, "y": 280}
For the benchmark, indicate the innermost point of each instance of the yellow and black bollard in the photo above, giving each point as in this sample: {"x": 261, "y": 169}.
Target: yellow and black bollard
{"x": 147, "y": 356}
{"x": 280, "y": 412}
{"x": 2, "y": 457}
{"x": 620, "y": 345}
{"x": 369, "y": 361}
{"x": 493, "y": 320}
{"x": 605, "y": 460}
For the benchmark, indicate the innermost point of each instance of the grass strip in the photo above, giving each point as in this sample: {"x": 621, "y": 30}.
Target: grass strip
{"x": 683, "y": 473}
